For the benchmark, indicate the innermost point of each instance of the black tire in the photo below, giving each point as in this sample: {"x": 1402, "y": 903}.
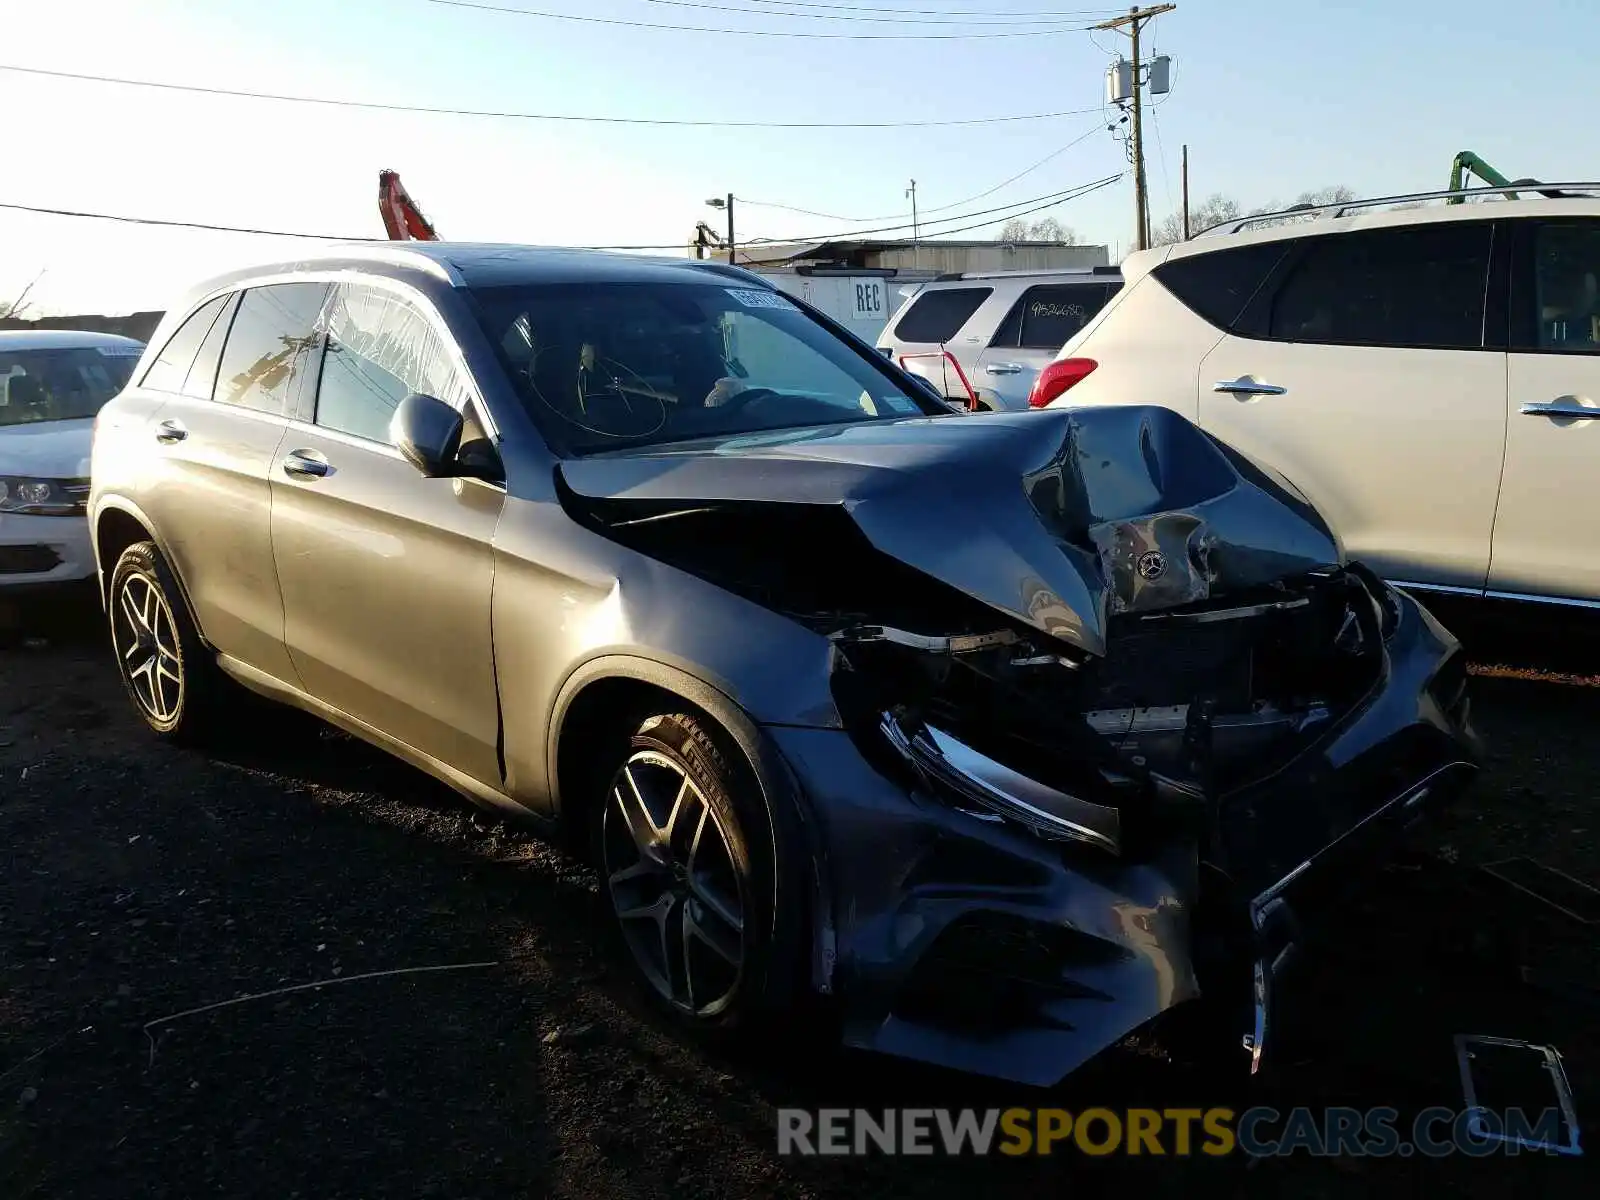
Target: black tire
{"x": 191, "y": 692}
{"x": 699, "y": 894}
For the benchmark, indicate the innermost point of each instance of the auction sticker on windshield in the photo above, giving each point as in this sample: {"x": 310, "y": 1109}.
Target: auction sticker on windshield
{"x": 756, "y": 298}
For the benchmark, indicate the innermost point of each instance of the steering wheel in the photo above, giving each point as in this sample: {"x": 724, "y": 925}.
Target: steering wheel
{"x": 740, "y": 399}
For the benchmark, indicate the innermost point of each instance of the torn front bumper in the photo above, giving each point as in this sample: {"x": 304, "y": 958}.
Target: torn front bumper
{"x": 954, "y": 933}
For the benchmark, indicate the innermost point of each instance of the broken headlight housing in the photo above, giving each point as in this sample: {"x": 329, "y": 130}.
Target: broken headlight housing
{"x": 44, "y": 497}
{"x": 961, "y": 771}
{"x": 1385, "y": 600}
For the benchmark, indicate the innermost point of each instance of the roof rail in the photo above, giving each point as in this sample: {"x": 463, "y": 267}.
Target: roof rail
{"x": 949, "y": 276}
{"x": 407, "y": 254}
{"x": 1563, "y": 191}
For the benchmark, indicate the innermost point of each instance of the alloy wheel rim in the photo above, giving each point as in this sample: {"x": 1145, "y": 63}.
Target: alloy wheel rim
{"x": 146, "y": 639}
{"x": 673, "y": 886}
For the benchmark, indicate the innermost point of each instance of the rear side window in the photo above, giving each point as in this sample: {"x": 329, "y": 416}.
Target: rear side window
{"x": 379, "y": 350}
{"x": 936, "y": 316}
{"x": 203, "y": 374}
{"x": 1048, "y": 316}
{"x": 1419, "y": 286}
{"x": 269, "y": 346}
{"x": 171, "y": 367}
{"x": 1217, "y": 286}
{"x": 1566, "y": 280}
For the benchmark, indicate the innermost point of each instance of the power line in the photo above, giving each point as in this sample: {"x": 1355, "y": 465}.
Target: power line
{"x": 1052, "y": 198}
{"x": 809, "y": 212}
{"x": 1074, "y": 194}
{"x": 931, "y": 12}
{"x": 1049, "y": 202}
{"x": 67, "y": 212}
{"x": 988, "y": 19}
{"x": 283, "y": 233}
{"x": 1161, "y": 151}
{"x": 775, "y": 33}
{"x": 1054, "y": 154}
{"x": 826, "y": 237}
{"x": 937, "y": 208}
{"x": 378, "y": 106}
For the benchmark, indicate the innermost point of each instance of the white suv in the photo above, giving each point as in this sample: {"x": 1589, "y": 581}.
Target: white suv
{"x": 1429, "y": 378}
{"x": 52, "y": 383}
{"x": 982, "y": 339}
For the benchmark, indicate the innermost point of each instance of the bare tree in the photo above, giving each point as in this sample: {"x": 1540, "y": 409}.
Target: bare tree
{"x": 1216, "y": 209}
{"x": 1047, "y": 229}
{"x": 20, "y": 306}
{"x": 1317, "y": 197}
{"x": 1213, "y": 210}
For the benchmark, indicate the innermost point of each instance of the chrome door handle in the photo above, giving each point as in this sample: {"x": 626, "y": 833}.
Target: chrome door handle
{"x": 170, "y": 431}
{"x": 1249, "y": 385}
{"x": 305, "y": 464}
{"x": 1566, "y": 408}
{"x": 1004, "y": 368}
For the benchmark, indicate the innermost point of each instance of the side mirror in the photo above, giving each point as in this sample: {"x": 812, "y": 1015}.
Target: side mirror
{"x": 928, "y": 386}
{"x": 427, "y": 432}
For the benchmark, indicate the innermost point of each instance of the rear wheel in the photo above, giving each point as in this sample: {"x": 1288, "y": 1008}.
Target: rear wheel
{"x": 168, "y": 673}
{"x": 686, "y": 850}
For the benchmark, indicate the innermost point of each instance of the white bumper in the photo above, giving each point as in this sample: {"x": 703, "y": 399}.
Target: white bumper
{"x": 43, "y": 550}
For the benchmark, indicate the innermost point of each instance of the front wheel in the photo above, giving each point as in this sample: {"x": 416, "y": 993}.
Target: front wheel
{"x": 166, "y": 669}
{"x": 687, "y": 854}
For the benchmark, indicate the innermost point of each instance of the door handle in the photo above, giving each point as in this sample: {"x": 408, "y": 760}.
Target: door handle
{"x": 1004, "y": 368}
{"x": 1249, "y": 385}
{"x": 305, "y": 464}
{"x": 170, "y": 431}
{"x": 1566, "y": 408}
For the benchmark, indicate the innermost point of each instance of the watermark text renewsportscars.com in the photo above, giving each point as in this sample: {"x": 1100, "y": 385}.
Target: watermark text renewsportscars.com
{"x": 1176, "y": 1132}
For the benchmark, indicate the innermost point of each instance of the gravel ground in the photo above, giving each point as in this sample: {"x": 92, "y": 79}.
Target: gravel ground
{"x": 140, "y": 882}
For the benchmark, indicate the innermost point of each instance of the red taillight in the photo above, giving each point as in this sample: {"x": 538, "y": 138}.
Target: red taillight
{"x": 1055, "y": 379}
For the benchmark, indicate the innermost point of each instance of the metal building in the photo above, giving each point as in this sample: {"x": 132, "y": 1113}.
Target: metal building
{"x": 860, "y": 283}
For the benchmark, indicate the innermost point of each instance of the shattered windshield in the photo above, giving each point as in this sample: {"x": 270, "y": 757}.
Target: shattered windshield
{"x": 61, "y": 384}
{"x": 603, "y": 366}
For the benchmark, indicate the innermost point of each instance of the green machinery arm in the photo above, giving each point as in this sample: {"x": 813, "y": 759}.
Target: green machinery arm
{"x": 1467, "y": 163}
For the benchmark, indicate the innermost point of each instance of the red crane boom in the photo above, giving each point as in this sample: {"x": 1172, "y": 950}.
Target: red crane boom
{"x": 401, "y": 217}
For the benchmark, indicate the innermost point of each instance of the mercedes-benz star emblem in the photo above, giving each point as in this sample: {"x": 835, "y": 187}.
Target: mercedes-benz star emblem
{"x": 1152, "y": 565}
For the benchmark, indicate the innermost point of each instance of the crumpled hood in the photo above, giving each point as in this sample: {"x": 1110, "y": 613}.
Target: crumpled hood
{"x": 47, "y": 449}
{"x": 1059, "y": 518}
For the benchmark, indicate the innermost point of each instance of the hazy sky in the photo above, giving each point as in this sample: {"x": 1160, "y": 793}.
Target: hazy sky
{"x": 1272, "y": 96}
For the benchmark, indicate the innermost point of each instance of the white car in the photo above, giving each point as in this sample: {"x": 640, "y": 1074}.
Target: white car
{"x": 1429, "y": 378}
{"x": 52, "y": 383}
{"x": 981, "y": 338}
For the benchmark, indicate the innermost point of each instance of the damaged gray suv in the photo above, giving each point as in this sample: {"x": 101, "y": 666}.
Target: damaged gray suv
{"x": 963, "y": 722}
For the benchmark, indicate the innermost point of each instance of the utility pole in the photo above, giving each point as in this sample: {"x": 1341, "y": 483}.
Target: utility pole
{"x": 1186, "y": 191}
{"x": 916, "y": 241}
{"x": 1134, "y": 23}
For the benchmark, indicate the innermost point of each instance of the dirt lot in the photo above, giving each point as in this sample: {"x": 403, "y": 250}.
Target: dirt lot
{"x": 140, "y": 882}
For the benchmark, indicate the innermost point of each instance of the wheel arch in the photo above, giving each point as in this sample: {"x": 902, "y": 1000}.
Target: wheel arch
{"x": 118, "y": 524}
{"x": 614, "y": 689}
